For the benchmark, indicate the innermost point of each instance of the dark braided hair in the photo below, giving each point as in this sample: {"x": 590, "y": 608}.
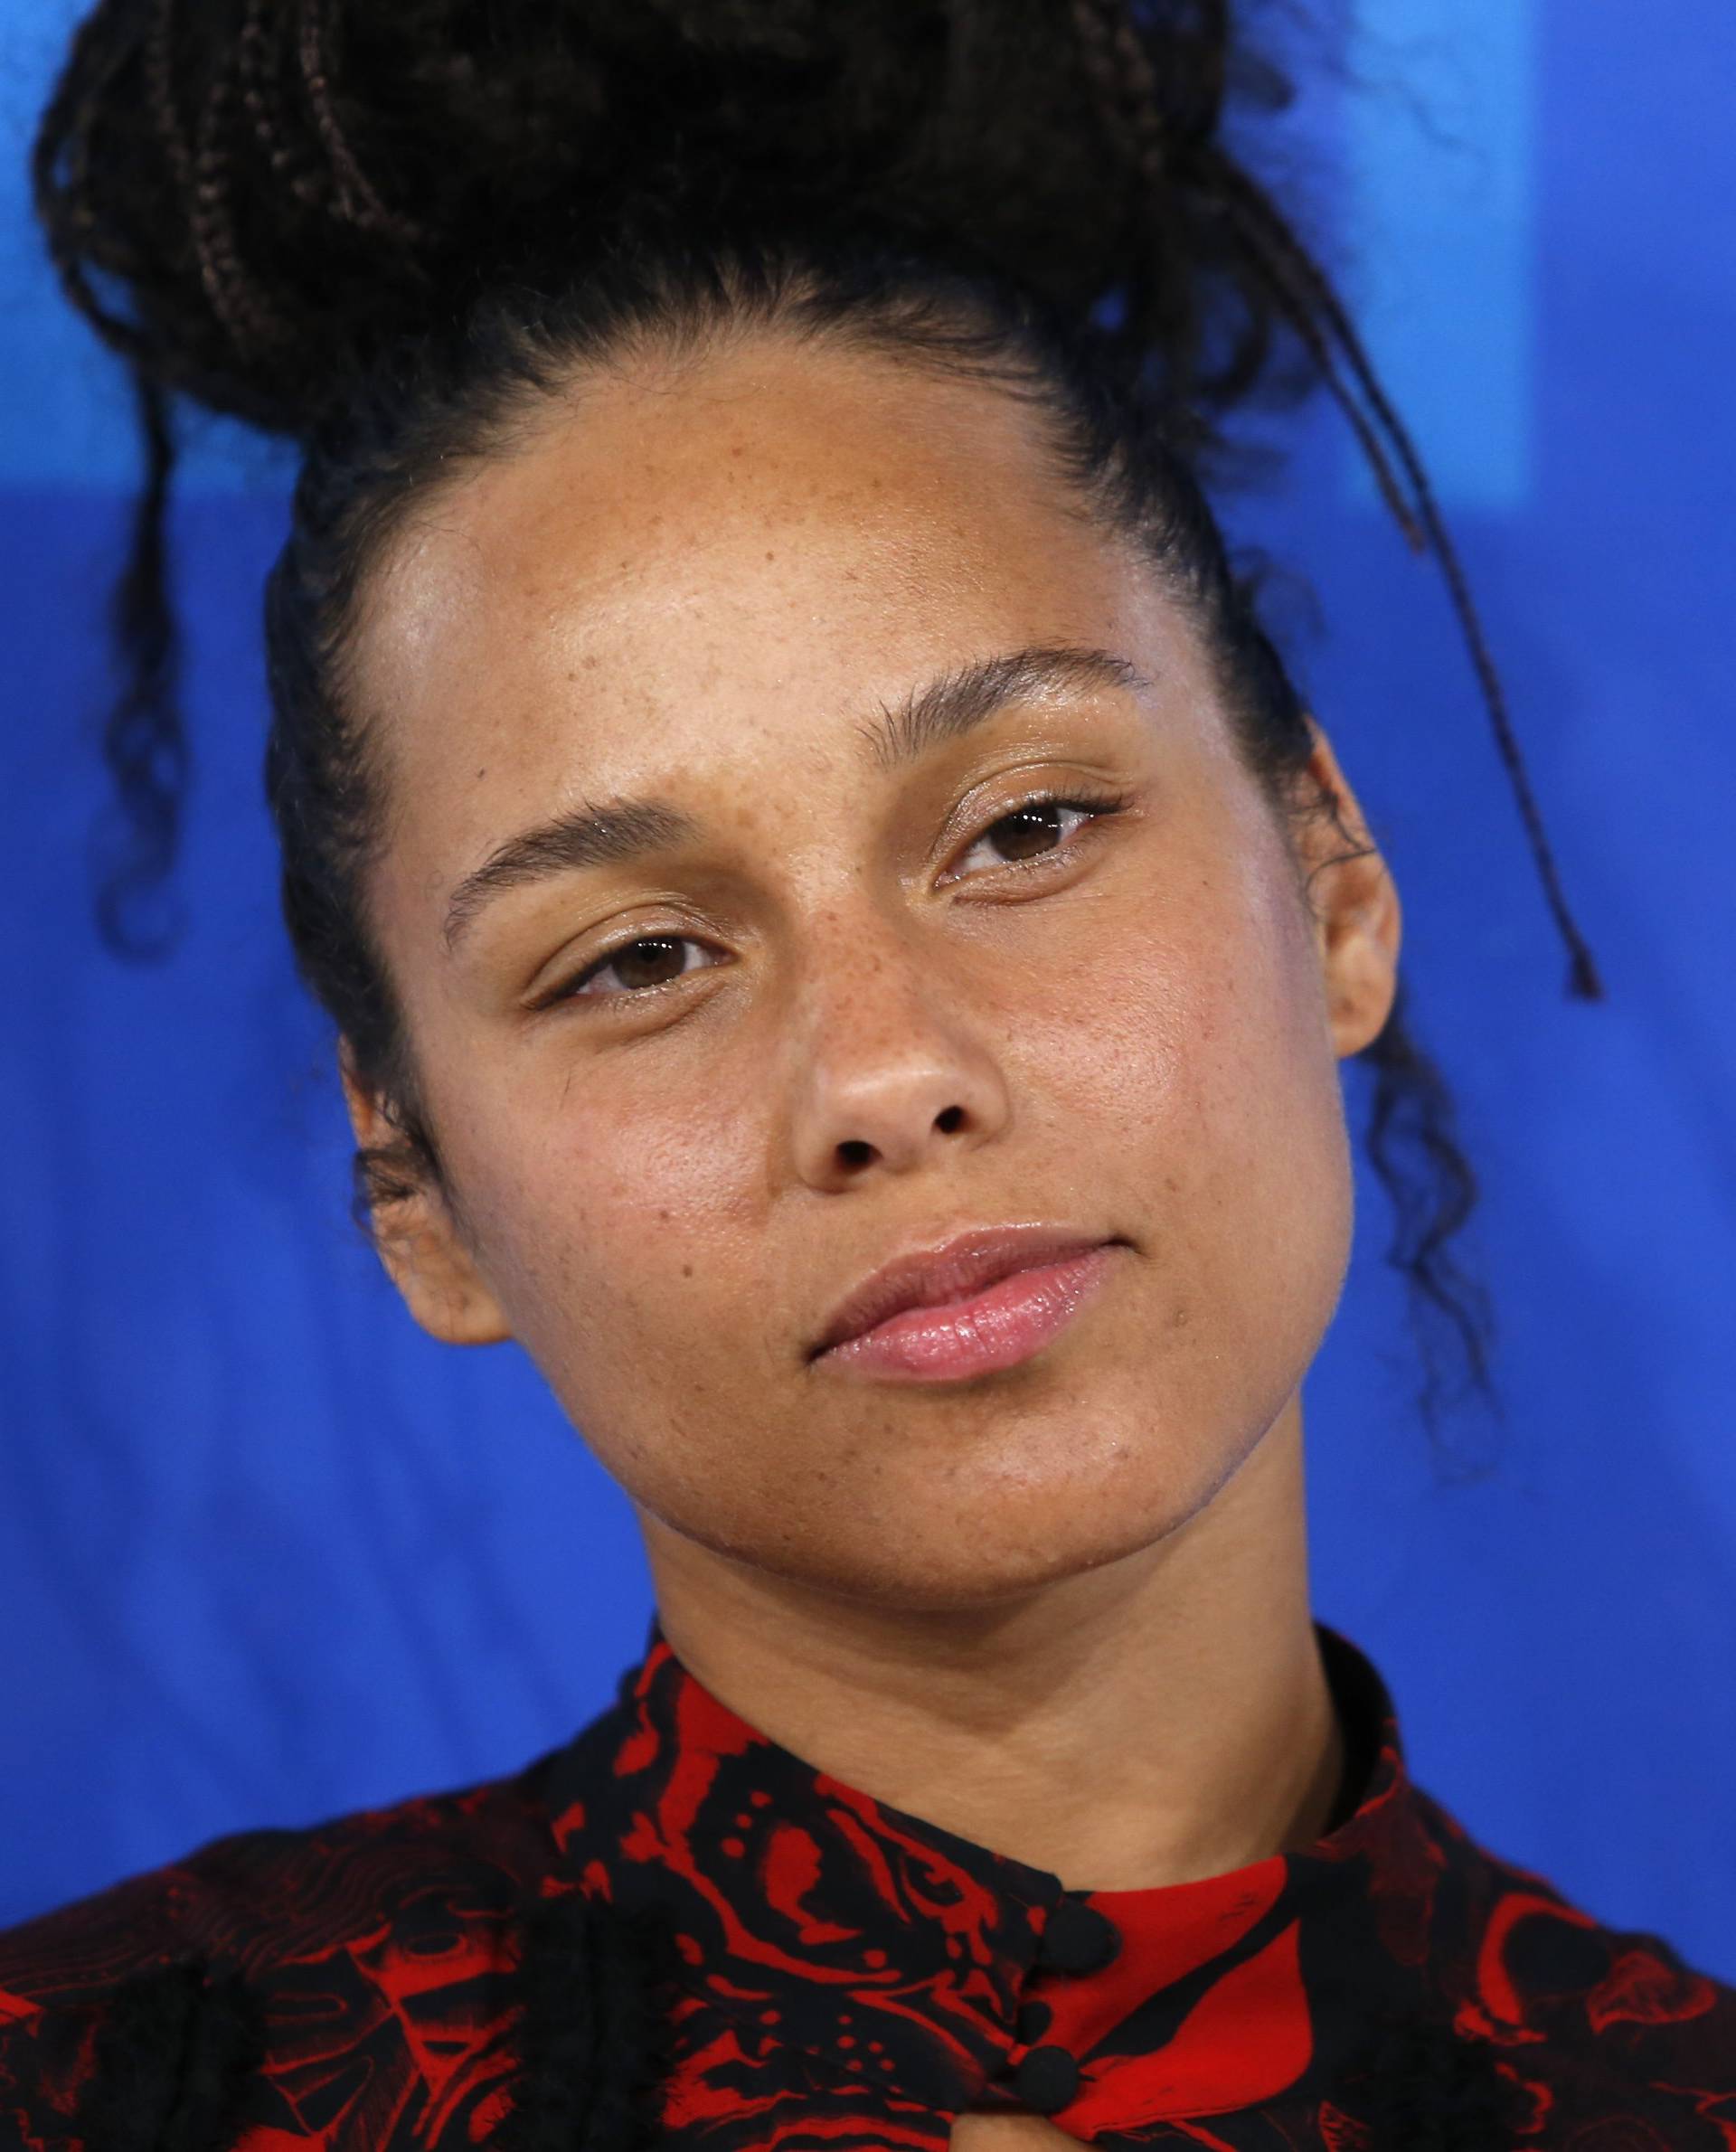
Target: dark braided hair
{"x": 173, "y": 2050}
{"x": 386, "y": 231}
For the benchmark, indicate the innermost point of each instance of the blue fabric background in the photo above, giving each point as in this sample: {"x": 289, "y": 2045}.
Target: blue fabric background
{"x": 267, "y": 1552}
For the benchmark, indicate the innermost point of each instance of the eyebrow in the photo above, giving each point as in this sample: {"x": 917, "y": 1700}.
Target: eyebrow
{"x": 619, "y": 831}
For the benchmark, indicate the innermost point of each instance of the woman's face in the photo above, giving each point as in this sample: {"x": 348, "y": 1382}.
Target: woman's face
{"x": 709, "y": 589}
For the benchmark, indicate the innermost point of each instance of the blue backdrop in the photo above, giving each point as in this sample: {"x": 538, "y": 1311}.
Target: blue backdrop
{"x": 267, "y": 1552}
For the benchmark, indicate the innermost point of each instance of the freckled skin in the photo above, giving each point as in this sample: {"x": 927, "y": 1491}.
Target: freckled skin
{"x": 698, "y": 582}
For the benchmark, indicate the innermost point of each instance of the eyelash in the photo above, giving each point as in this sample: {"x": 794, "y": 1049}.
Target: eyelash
{"x": 1098, "y": 806}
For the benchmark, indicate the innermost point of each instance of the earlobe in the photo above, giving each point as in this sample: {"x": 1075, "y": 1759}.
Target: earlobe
{"x": 418, "y": 1242}
{"x": 435, "y": 1275}
{"x": 1359, "y": 919}
{"x": 1361, "y": 977}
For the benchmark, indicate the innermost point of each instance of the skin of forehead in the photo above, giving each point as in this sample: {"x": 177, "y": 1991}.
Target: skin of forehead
{"x": 695, "y": 541}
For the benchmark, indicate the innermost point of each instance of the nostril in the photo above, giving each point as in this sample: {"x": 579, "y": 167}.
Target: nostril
{"x": 949, "y": 1118}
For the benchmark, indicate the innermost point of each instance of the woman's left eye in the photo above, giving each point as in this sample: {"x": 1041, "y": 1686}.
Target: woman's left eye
{"x": 1033, "y": 832}
{"x": 650, "y": 962}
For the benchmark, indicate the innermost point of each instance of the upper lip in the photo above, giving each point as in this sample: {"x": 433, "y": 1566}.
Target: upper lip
{"x": 928, "y": 1277}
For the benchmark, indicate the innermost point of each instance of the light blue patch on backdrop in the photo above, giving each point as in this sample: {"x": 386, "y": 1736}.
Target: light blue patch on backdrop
{"x": 1439, "y": 157}
{"x": 1438, "y": 151}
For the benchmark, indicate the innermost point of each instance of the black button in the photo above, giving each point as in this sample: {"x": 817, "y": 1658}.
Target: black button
{"x": 1046, "y": 2080}
{"x": 1077, "y": 1938}
{"x": 1034, "y": 2019}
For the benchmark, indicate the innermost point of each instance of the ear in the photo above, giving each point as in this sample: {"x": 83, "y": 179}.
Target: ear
{"x": 418, "y": 1242}
{"x": 1358, "y": 923}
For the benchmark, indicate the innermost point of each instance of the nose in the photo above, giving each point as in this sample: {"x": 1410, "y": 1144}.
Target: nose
{"x": 892, "y": 1069}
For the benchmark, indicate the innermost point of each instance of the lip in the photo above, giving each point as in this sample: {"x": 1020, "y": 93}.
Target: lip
{"x": 952, "y": 1275}
{"x": 1000, "y": 1326}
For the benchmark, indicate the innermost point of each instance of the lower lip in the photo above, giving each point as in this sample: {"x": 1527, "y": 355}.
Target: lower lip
{"x": 1003, "y": 1324}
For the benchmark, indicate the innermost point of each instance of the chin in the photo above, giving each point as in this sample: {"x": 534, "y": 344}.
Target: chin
{"x": 951, "y": 1558}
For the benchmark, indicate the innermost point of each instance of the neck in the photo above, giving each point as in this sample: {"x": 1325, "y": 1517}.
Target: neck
{"x": 1158, "y": 1719}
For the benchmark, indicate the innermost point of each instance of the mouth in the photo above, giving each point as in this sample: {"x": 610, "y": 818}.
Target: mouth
{"x": 985, "y": 1301}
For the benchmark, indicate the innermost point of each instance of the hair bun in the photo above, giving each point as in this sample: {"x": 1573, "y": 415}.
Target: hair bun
{"x": 251, "y": 197}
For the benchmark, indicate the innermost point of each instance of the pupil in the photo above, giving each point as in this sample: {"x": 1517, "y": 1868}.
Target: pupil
{"x": 1046, "y": 808}
{"x": 629, "y": 956}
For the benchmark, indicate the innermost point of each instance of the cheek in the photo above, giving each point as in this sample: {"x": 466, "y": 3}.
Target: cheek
{"x": 1181, "y": 1063}
{"x": 1193, "y": 1017}
{"x": 610, "y": 1228}
{"x": 1258, "y": 1141}
{"x": 632, "y": 1262}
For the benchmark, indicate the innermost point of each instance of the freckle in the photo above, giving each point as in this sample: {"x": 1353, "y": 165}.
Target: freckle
{"x": 686, "y": 1269}
{"x": 771, "y": 556}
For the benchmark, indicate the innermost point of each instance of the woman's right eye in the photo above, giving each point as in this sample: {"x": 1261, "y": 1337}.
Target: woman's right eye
{"x": 642, "y": 966}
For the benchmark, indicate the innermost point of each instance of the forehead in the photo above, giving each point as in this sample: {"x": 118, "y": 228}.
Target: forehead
{"x": 747, "y": 549}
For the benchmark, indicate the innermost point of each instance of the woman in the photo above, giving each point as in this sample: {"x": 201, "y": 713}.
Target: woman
{"x": 842, "y": 936}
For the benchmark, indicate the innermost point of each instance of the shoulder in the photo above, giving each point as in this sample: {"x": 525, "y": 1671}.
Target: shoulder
{"x": 441, "y": 1866}
{"x": 1590, "y": 2023}
{"x": 368, "y": 1955}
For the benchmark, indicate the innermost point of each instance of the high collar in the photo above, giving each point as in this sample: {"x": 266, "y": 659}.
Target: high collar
{"x": 846, "y": 1956}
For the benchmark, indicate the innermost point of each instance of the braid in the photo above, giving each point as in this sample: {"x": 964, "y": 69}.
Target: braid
{"x": 250, "y": 318}
{"x": 159, "y": 67}
{"x": 173, "y": 2057}
{"x": 144, "y": 741}
{"x": 1120, "y": 66}
{"x": 596, "y": 2029}
{"x": 1412, "y": 1105}
{"x": 260, "y": 60}
{"x": 355, "y": 200}
{"x": 1279, "y": 257}
{"x": 62, "y": 151}
{"x": 1584, "y": 983}
{"x": 1163, "y": 309}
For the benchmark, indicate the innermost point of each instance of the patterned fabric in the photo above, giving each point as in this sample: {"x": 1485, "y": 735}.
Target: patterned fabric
{"x": 838, "y": 1973}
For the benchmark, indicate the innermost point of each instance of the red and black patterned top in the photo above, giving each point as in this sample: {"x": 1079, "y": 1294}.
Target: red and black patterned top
{"x": 673, "y": 1930}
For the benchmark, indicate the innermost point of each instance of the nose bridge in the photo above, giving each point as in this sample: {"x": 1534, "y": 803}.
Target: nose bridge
{"x": 863, "y": 964}
{"x": 865, "y": 974}
{"x": 887, "y": 1059}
